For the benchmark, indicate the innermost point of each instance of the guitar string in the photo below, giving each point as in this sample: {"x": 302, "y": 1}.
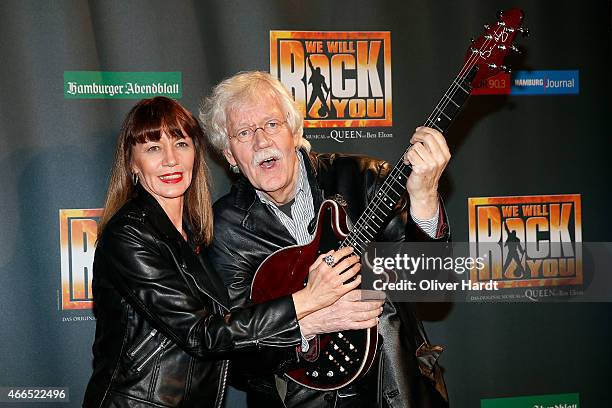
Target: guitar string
{"x": 440, "y": 107}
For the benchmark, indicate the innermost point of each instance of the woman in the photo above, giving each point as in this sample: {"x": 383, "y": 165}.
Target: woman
{"x": 163, "y": 327}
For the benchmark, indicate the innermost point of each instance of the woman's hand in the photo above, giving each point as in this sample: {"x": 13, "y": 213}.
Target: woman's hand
{"x": 353, "y": 311}
{"x": 326, "y": 283}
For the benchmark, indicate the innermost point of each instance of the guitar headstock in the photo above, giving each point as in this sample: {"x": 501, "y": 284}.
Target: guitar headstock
{"x": 490, "y": 49}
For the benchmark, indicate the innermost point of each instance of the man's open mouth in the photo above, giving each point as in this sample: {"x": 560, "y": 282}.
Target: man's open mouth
{"x": 268, "y": 163}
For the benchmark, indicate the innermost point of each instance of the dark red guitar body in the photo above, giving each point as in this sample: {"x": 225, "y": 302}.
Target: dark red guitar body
{"x": 343, "y": 357}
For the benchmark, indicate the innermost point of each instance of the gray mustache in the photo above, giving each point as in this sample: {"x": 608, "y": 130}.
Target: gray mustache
{"x": 271, "y": 152}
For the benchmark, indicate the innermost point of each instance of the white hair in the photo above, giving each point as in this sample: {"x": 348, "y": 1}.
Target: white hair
{"x": 238, "y": 90}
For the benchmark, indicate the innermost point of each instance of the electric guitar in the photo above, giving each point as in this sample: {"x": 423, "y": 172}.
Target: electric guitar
{"x": 346, "y": 356}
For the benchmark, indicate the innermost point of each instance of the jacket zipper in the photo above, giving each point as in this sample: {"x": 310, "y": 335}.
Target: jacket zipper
{"x": 223, "y": 383}
{"x": 140, "y": 345}
{"x": 381, "y": 367}
{"x": 155, "y": 352}
{"x": 224, "y": 370}
{"x": 213, "y": 298}
{"x": 263, "y": 341}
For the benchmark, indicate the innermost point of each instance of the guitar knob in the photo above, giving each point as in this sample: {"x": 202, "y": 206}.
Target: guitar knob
{"x": 315, "y": 374}
{"x": 330, "y": 373}
{"x": 341, "y": 369}
{"x": 506, "y": 69}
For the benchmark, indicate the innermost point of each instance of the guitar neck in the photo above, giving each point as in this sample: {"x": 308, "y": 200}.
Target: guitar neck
{"x": 377, "y": 213}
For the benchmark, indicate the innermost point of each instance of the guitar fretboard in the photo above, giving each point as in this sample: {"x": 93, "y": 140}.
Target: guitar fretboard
{"x": 376, "y": 214}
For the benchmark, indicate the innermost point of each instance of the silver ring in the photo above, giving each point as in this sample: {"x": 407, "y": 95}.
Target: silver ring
{"x": 329, "y": 260}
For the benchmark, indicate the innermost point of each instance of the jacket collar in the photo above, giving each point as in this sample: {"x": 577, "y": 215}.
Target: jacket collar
{"x": 157, "y": 217}
{"x": 245, "y": 192}
{"x": 197, "y": 267}
{"x": 311, "y": 161}
{"x": 246, "y": 200}
{"x": 258, "y": 217}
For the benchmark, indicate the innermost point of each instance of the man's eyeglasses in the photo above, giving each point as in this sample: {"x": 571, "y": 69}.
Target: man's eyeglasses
{"x": 271, "y": 127}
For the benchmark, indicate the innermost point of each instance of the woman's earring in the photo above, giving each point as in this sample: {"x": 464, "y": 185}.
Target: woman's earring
{"x": 234, "y": 168}
{"x": 135, "y": 178}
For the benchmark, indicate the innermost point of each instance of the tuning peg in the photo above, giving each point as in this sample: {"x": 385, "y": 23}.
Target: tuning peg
{"x": 472, "y": 40}
{"x": 506, "y": 69}
{"x": 501, "y": 46}
{"x": 524, "y": 31}
{"x": 486, "y": 26}
{"x": 492, "y": 66}
{"x": 513, "y": 48}
{"x": 500, "y": 13}
{"x": 501, "y": 23}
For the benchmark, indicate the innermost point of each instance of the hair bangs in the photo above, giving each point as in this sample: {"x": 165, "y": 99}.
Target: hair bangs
{"x": 156, "y": 116}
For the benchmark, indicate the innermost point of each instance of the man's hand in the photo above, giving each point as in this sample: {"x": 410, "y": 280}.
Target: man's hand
{"x": 428, "y": 156}
{"x": 350, "y": 312}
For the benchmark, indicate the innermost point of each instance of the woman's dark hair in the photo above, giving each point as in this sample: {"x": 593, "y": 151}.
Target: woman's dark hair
{"x": 146, "y": 122}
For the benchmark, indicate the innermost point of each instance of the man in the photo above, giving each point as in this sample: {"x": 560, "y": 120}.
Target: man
{"x": 254, "y": 123}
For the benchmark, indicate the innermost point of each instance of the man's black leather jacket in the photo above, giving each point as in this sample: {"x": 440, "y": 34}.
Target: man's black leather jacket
{"x": 163, "y": 330}
{"x": 247, "y": 231}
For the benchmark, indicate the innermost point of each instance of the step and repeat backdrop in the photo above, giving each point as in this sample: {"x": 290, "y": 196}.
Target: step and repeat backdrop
{"x": 530, "y": 151}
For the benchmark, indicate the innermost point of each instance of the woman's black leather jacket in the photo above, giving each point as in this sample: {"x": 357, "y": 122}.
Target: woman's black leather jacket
{"x": 164, "y": 329}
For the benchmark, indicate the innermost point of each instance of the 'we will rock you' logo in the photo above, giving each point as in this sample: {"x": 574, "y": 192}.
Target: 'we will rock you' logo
{"x": 527, "y": 241}
{"x": 339, "y": 79}
{"x": 78, "y": 230}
